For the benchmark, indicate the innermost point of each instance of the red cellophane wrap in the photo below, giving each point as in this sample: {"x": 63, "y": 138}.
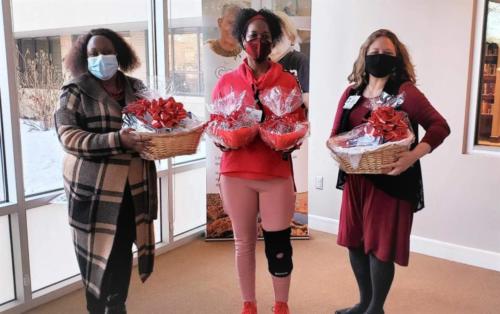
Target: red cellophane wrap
{"x": 231, "y": 124}
{"x": 285, "y": 129}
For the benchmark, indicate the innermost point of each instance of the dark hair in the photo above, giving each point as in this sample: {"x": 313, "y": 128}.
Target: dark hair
{"x": 245, "y": 15}
{"x": 76, "y": 59}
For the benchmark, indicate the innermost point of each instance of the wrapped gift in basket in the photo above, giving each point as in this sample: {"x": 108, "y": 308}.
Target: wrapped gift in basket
{"x": 368, "y": 147}
{"x": 171, "y": 129}
{"x": 232, "y": 125}
{"x": 285, "y": 128}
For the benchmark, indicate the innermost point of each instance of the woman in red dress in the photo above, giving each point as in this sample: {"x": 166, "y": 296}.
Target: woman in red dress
{"x": 377, "y": 210}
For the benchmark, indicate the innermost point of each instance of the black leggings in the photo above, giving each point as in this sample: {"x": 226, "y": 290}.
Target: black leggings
{"x": 116, "y": 279}
{"x": 374, "y": 278}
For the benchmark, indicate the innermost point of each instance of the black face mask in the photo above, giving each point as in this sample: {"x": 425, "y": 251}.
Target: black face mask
{"x": 380, "y": 65}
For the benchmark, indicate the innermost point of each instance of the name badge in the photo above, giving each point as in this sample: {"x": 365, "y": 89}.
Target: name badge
{"x": 254, "y": 114}
{"x": 351, "y": 101}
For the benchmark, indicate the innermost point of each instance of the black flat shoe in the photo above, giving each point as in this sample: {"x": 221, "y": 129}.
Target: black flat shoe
{"x": 116, "y": 309}
{"x": 351, "y": 310}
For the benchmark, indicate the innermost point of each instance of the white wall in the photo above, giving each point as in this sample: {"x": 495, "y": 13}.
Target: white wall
{"x": 461, "y": 220}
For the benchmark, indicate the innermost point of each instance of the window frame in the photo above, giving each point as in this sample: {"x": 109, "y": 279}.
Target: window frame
{"x": 12, "y": 260}
{"x": 3, "y": 167}
{"x": 473, "y": 108}
{"x": 481, "y": 75}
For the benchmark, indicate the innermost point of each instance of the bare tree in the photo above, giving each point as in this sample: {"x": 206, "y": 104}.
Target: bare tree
{"x": 39, "y": 83}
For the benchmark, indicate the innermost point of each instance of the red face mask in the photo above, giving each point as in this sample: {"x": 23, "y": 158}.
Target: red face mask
{"x": 258, "y": 49}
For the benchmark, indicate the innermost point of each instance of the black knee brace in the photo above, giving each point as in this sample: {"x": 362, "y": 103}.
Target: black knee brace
{"x": 279, "y": 252}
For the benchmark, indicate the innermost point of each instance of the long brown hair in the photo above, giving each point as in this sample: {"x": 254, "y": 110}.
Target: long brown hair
{"x": 405, "y": 70}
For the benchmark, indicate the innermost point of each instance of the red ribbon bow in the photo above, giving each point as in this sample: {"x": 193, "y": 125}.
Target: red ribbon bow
{"x": 165, "y": 113}
{"x": 389, "y": 123}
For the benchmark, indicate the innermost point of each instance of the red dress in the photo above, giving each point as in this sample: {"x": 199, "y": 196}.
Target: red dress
{"x": 369, "y": 217}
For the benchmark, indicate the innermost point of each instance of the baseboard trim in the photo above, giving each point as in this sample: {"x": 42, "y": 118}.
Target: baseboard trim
{"x": 444, "y": 250}
{"x": 324, "y": 224}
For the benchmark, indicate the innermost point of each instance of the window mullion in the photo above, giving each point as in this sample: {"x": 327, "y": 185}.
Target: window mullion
{"x": 13, "y": 156}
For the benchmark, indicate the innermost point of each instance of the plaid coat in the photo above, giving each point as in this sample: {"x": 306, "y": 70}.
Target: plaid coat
{"x": 96, "y": 169}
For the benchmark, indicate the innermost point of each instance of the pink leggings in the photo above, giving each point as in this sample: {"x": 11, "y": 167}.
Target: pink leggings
{"x": 243, "y": 200}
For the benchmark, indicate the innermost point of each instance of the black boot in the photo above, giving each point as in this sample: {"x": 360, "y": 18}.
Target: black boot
{"x": 94, "y": 305}
{"x": 96, "y": 311}
{"x": 116, "y": 309}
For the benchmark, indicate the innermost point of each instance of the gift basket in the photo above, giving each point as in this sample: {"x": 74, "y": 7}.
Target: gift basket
{"x": 368, "y": 147}
{"x": 286, "y": 128}
{"x": 172, "y": 130}
{"x": 232, "y": 125}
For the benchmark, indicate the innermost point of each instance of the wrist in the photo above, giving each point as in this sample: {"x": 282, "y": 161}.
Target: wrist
{"x": 119, "y": 140}
{"x": 421, "y": 150}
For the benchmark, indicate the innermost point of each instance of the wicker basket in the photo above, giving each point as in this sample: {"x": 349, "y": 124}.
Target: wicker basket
{"x": 371, "y": 162}
{"x": 166, "y": 145}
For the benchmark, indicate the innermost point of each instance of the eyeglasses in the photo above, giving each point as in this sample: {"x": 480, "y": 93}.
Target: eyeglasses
{"x": 263, "y": 36}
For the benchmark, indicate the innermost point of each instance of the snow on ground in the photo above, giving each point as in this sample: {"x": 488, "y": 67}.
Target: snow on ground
{"x": 42, "y": 160}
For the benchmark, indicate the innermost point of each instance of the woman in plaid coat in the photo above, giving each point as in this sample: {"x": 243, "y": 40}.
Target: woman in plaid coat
{"x": 111, "y": 191}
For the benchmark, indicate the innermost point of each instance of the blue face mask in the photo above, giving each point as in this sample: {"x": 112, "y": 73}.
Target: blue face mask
{"x": 103, "y": 66}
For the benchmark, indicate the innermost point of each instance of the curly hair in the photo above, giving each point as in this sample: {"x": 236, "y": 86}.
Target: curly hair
{"x": 76, "y": 59}
{"x": 405, "y": 71}
{"x": 271, "y": 19}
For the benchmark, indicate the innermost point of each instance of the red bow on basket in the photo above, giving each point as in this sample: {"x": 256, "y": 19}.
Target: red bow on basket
{"x": 389, "y": 123}
{"x": 236, "y": 117}
{"x": 159, "y": 113}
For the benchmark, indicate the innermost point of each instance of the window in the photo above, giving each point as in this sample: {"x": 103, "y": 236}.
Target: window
{"x": 185, "y": 42}
{"x": 3, "y": 194}
{"x": 184, "y": 55}
{"x": 29, "y": 48}
{"x": 41, "y": 44}
{"x": 189, "y": 199}
{"x": 186, "y": 72}
{"x": 158, "y": 223}
{"x": 293, "y": 7}
{"x": 52, "y": 255}
{"x": 7, "y": 291}
{"x": 488, "y": 123}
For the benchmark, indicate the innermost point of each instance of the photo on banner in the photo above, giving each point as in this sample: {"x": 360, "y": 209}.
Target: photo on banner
{"x": 293, "y": 53}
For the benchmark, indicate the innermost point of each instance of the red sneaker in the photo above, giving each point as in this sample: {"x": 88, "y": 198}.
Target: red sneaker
{"x": 249, "y": 308}
{"x": 281, "y": 308}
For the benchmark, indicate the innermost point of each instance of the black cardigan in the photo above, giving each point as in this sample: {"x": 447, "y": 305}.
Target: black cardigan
{"x": 406, "y": 186}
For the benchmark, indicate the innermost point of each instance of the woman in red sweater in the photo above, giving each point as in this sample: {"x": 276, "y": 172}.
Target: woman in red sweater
{"x": 256, "y": 179}
{"x": 377, "y": 210}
